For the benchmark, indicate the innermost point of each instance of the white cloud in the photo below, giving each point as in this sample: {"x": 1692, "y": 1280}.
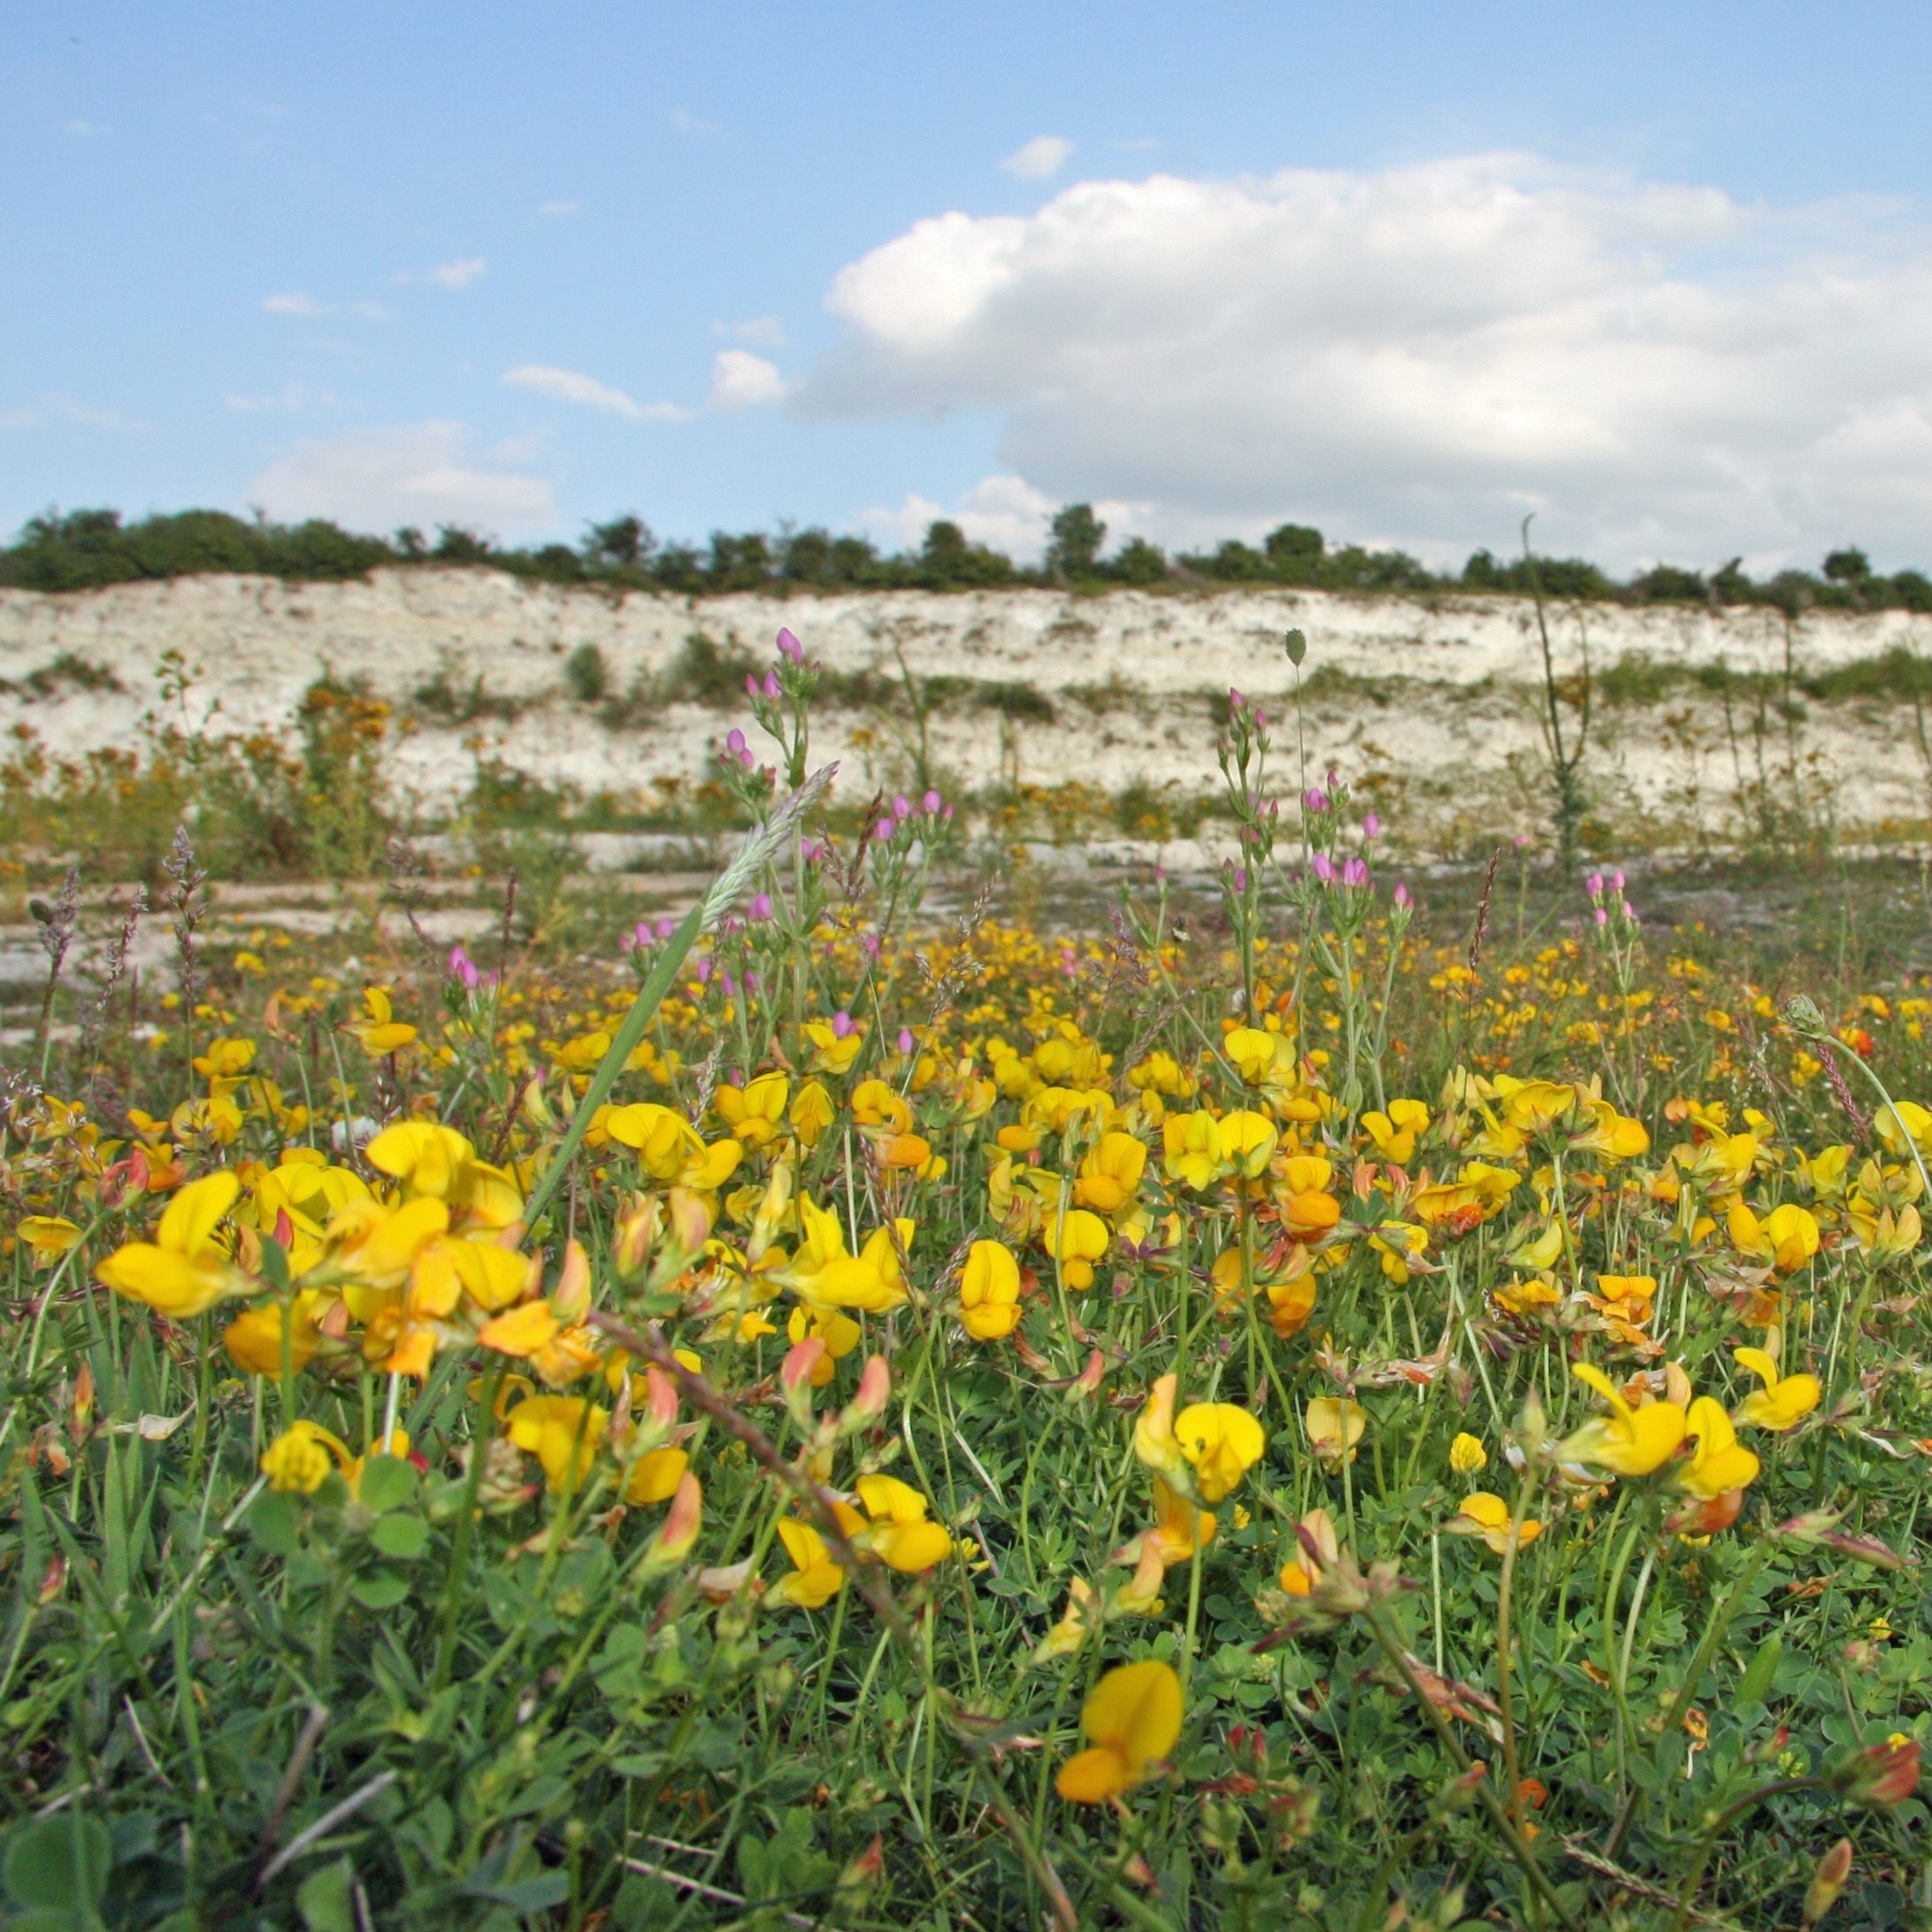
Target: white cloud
{"x": 762, "y": 331}
{"x": 458, "y": 276}
{"x": 299, "y": 302}
{"x": 559, "y": 210}
{"x": 56, "y": 408}
{"x": 1043, "y": 154}
{"x": 567, "y": 385}
{"x": 740, "y": 381}
{"x": 1004, "y": 512}
{"x": 683, "y": 122}
{"x": 292, "y": 400}
{"x": 420, "y": 473}
{"x": 84, "y": 127}
{"x": 1422, "y": 354}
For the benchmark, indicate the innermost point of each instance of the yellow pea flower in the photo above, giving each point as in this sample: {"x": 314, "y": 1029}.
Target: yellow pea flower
{"x": 426, "y": 1158}
{"x": 300, "y": 1459}
{"x": 1132, "y": 1721}
{"x": 1719, "y": 1463}
{"x": 1488, "y": 1517}
{"x": 1248, "y": 1141}
{"x": 898, "y": 1532}
{"x": 1190, "y": 1145}
{"x": 1222, "y": 1442}
{"x": 562, "y": 1431}
{"x": 181, "y": 1272}
{"x": 812, "y": 1112}
{"x": 838, "y": 1332}
{"x": 1076, "y": 1239}
{"x": 1305, "y": 1569}
{"x": 378, "y": 1032}
{"x": 1787, "y": 1236}
{"x": 815, "y": 1579}
{"x": 1784, "y": 1401}
{"x": 989, "y": 1291}
{"x": 1395, "y": 1133}
{"x": 1629, "y": 1441}
{"x": 655, "y": 1475}
{"x": 833, "y": 1051}
{"x": 1335, "y": 1425}
{"x": 1110, "y": 1173}
{"x": 254, "y": 1338}
{"x": 1154, "y": 1441}
{"x": 1467, "y": 1456}
{"x": 48, "y": 1235}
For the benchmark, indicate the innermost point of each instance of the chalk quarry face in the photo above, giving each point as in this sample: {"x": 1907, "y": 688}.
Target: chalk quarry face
{"x": 1432, "y": 705}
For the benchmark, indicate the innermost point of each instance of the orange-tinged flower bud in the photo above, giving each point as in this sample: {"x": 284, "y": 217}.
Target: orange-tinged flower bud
{"x": 1834, "y": 1869}
{"x": 868, "y": 1401}
{"x": 1880, "y": 1776}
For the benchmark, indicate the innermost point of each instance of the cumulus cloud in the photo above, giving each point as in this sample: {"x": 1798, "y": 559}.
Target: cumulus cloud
{"x": 458, "y": 276}
{"x": 1042, "y": 156}
{"x": 568, "y": 386}
{"x": 740, "y": 381}
{"x": 420, "y": 473}
{"x": 1422, "y": 354}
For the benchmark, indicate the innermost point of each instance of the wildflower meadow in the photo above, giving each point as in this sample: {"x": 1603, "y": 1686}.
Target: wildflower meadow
{"x": 1271, "y": 1410}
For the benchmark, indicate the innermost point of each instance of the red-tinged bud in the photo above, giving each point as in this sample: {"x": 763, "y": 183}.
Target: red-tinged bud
{"x": 662, "y": 1403}
{"x": 1828, "y": 1881}
{"x": 691, "y": 1218}
{"x": 1879, "y": 1776}
{"x": 869, "y": 1402}
{"x": 1706, "y": 1519}
{"x": 862, "y": 1872}
{"x": 285, "y": 1231}
{"x": 636, "y": 1232}
{"x": 796, "y": 1378}
{"x": 1460, "y": 1792}
{"x": 1087, "y": 1383}
{"x": 678, "y": 1530}
{"x": 570, "y": 1298}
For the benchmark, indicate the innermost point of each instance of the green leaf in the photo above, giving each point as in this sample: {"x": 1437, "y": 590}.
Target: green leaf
{"x": 275, "y": 1522}
{"x": 324, "y": 1899}
{"x": 60, "y": 1861}
{"x": 404, "y": 1537}
{"x": 387, "y": 1483}
{"x": 1761, "y": 1672}
{"x": 383, "y": 1591}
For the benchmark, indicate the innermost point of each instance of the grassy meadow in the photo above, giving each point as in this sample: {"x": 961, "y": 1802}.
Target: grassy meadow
{"x": 847, "y": 1398}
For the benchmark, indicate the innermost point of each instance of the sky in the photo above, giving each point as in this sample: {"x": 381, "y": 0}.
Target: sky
{"x": 1660, "y": 274}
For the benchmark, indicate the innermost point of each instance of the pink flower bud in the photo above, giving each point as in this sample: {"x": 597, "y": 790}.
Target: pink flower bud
{"x": 1355, "y": 872}
{"x": 1403, "y": 897}
{"x": 795, "y": 1377}
{"x": 1324, "y": 869}
{"x": 1601, "y": 916}
{"x": 734, "y": 741}
{"x": 1315, "y": 799}
{"x": 701, "y": 971}
{"x": 1240, "y": 878}
{"x": 1261, "y": 717}
{"x": 751, "y": 684}
{"x": 1371, "y": 827}
{"x": 760, "y": 907}
{"x": 901, "y": 806}
{"x": 661, "y": 1397}
{"x": 841, "y": 1025}
{"x": 884, "y": 830}
{"x": 947, "y": 813}
{"x": 665, "y": 928}
{"x": 930, "y": 803}
{"x": 869, "y": 1402}
{"x": 771, "y": 683}
{"x": 1236, "y": 701}
{"x": 905, "y": 1041}
{"x": 1616, "y": 879}
{"x": 790, "y": 649}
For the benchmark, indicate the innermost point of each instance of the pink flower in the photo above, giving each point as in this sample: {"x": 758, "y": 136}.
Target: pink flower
{"x": 841, "y": 1025}
{"x": 905, "y": 1041}
{"x": 790, "y": 649}
{"x": 666, "y": 927}
{"x": 930, "y": 803}
{"x": 751, "y": 684}
{"x": 1601, "y": 916}
{"x": 1616, "y": 879}
{"x": 1403, "y": 897}
{"x": 760, "y": 907}
{"x": 1235, "y": 701}
{"x": 870, "y": 946}
{"x": 1324, "y": 869}
{"x": 901, "y": 806}
{"x": 1315, "y": 799}
{"x": 1261, "y": 717}
{"x": 1629, "y": 912}
{"x": 771, "y": 683}
{"x": 1593, "y": 884}
{"x": 729, "y": 981}
{"x": 947, "y": 814}
{"x": 462, "y": 967}
{"x": 1371, "y": 827}
{"x": 1355, "y": 872}
{"x": 884, "y": 830}
{"x": 1240, "y": 878}
{"x": 701, "y": 971}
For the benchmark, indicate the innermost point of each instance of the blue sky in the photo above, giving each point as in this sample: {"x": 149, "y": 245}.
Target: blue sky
{"x": 1655, "y": 272}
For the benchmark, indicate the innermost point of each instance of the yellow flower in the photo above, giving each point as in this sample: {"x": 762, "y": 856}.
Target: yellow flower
{"x": 1190, "y": 1145}
{"x": 831, "y": 1050}
{"x": 1248, "y": 1141}
{"x": 899, "y": 1533}
{"x": 48, "y": 1234}
{"x": 1395, "y": 1132}
{"x": 1718, "y": 1464}
{"x": 300, "y": 1459}
{"x": 1222, "y": 1442}
{"x": 989, "y": 1291}
{"x": 815, "y": 1579}
{"x": 1133, "y": 1719}
{"x": 1178, "y": 1530}
{"x": 1110, "y": 1173}
{"x": 181, "y": 1272}
{"x": 1335, "y": 1425}
{"x": 427, "y": 1159}
{"x": 1902, "y": 1125}
{"x": 1629, "y": 1441}
{"x": 561, "y": 1432}
{"x": 1489, "y": 1518}
{"x": 1784, "y": 1401}
{"x": 1467, "y": 1456}
{"x": 1154, "y": 1441}
{"x": 812, "y": 1112}
{"x": 1305, "y": 1569}
{"x": 1076, "y": 1239}
{"x": 378, "y": 1032}
{"x": 1787, "y": 1236}
{"x": 655, "y": 1475}
{"x": 255, "y": 1339}
{"x": 838, "y": 1332}
{"x": 755, "y": 1113}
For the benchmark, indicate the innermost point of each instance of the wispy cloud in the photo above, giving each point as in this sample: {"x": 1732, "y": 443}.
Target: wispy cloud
{"x": 684, "y": 122}
{"x": 299, "y": 302}
{"x": 1042, "y": 156}
{"x": 559, "y": 210}
{"x": 292, "y": 399}
{"x": 740, "y": 381}
{"x": 420, "y": 473}
{"x": 83, "y": 128}
{"x": 585, "y": 392}
{"x": 458, "y": 275}
{"x": 46, "y": 410}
